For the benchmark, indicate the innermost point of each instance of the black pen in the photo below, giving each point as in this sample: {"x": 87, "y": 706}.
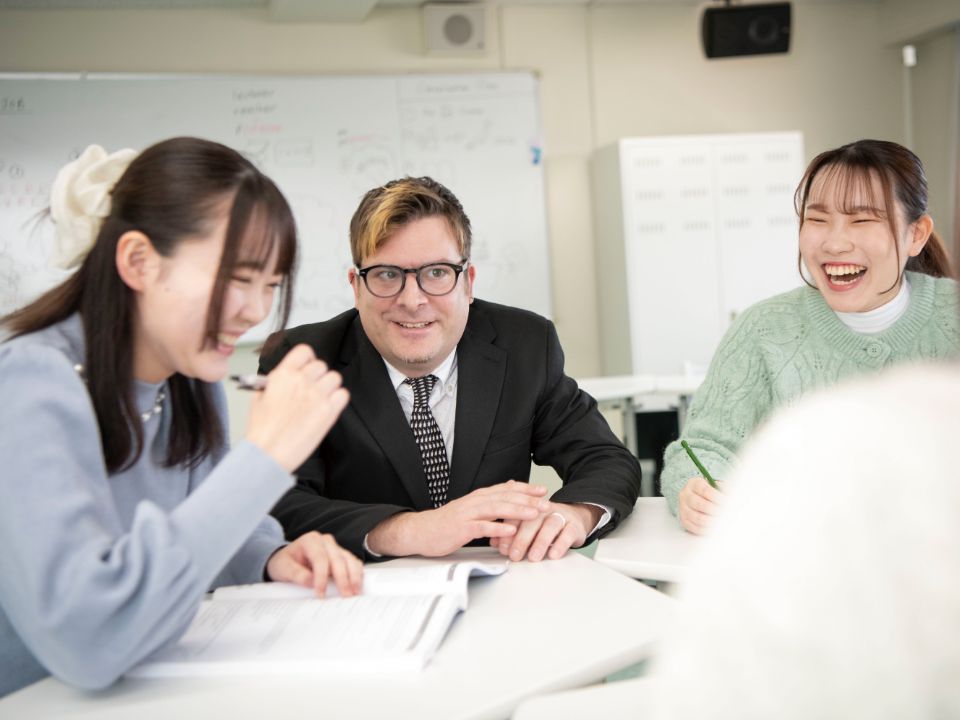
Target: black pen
{"x": 250, "y": 382}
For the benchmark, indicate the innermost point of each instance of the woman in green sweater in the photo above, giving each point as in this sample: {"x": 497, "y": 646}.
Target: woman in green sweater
{"x": 879, "y": 291}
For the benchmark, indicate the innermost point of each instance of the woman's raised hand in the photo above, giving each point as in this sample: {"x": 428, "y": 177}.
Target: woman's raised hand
{"x": 301, "y": 402}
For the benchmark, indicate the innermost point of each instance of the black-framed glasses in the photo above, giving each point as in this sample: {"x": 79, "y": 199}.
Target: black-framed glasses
{"x": 386, "y": 281}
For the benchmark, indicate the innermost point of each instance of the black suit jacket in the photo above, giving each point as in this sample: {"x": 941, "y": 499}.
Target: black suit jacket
{"x": 514, "y": 402}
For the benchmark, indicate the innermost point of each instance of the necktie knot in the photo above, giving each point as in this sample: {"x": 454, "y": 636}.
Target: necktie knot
{"x": 422, "y": 387}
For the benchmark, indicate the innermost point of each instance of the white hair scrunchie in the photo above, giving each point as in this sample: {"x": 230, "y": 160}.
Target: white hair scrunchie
{"x": 80, "y": 200}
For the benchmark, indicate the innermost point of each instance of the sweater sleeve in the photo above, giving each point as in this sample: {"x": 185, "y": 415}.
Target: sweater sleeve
{"x": 248, "y": 564}
{"x": 88, "y": 595}
{"x": 734, "y": 397}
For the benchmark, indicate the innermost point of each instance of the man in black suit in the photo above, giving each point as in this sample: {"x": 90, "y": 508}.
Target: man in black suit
{"x": 450, "y": 399}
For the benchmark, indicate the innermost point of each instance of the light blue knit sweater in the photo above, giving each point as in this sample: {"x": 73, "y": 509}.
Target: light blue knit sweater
{"x": 97, "y": 571}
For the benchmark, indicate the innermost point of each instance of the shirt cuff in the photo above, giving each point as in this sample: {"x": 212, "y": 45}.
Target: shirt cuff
{"x": 366, "y": 548}
{"x": 604, "y": 519}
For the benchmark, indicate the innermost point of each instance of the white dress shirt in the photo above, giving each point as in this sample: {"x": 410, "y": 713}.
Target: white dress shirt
{"x": 443, "y": 405}
{"x": 443, "y": 397}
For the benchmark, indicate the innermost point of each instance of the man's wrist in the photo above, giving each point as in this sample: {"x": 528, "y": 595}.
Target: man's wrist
{"x": 591, "y": 515}
{"x": 391, "y": 536}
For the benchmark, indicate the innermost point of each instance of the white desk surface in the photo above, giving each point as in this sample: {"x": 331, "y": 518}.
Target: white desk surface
{"x": 626, "y": 387}
{"x": 625, "y": 699}
{"x": 650, "y": 544}
{"x": 538, "y": 628}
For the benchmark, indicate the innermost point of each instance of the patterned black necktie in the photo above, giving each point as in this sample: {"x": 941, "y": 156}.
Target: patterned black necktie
{"x": 433, "y": 453}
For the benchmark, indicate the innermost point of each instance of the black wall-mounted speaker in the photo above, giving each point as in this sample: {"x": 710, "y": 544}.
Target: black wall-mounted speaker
{"x": 735, "y": 30}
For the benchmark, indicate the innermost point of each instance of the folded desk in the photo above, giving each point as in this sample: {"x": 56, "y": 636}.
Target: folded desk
{"x": 642, "y": 401}
{"x": 614, "y": 388}
{"x": 649, "y": 545}
{"x": 539, "y": 627}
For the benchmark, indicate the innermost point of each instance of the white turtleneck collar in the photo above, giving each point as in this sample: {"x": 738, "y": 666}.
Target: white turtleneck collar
{"x": 879, "y": 319}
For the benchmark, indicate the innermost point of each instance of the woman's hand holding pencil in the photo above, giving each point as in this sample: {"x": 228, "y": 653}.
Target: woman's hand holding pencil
{"x": 699, "y": 498}
{"x": 292, "y": 412}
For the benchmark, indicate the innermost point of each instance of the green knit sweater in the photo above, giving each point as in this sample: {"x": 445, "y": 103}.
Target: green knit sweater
{"x": 783, "y": 347}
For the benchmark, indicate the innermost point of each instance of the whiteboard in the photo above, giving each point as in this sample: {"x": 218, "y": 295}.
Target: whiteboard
{"x": 324, "y": 140}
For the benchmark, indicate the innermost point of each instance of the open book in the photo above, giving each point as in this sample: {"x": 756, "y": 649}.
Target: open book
{"x": 397, "y": 623}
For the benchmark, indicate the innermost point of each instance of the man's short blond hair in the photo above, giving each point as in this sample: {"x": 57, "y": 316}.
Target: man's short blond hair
{"x": 387, "y": 208}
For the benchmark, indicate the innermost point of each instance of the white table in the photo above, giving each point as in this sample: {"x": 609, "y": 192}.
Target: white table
{"x": 626, "y": 699}
{"x": 650, "y": 544}
{"x": 538, "y": 628}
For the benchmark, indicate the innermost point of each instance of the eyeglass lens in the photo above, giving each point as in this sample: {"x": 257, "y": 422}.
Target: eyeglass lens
{"x": 386, "y": 280}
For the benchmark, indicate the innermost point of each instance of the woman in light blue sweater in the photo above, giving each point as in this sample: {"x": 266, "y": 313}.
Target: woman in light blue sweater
{"x": 881, "y": 294}
{"x": 122, "y": 504}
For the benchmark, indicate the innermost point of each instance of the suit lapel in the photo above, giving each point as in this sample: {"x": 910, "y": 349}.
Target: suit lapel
{"x": 374, "y": 400}
{"x": 480, "y": 371}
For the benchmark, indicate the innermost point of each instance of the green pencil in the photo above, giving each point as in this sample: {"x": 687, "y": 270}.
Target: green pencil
{"x": 700, "y": 467}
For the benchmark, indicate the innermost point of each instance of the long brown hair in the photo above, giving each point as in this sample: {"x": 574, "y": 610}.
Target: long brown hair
{"x": 901, "y": 177}
{"x": 172, "y": 191}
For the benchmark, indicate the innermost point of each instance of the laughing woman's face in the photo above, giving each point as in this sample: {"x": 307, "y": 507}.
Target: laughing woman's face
{"x": 847, "y": 244}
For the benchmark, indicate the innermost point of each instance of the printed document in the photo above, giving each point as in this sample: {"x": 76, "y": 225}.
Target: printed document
{"x": 396, "y": 624}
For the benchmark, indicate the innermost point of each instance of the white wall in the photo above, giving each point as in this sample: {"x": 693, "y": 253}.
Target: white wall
{"x": 606, "y": 72}
{"x": 935, "y": 106}
{"x": 839, "y": 82}
{"x": 911, "y": 20}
